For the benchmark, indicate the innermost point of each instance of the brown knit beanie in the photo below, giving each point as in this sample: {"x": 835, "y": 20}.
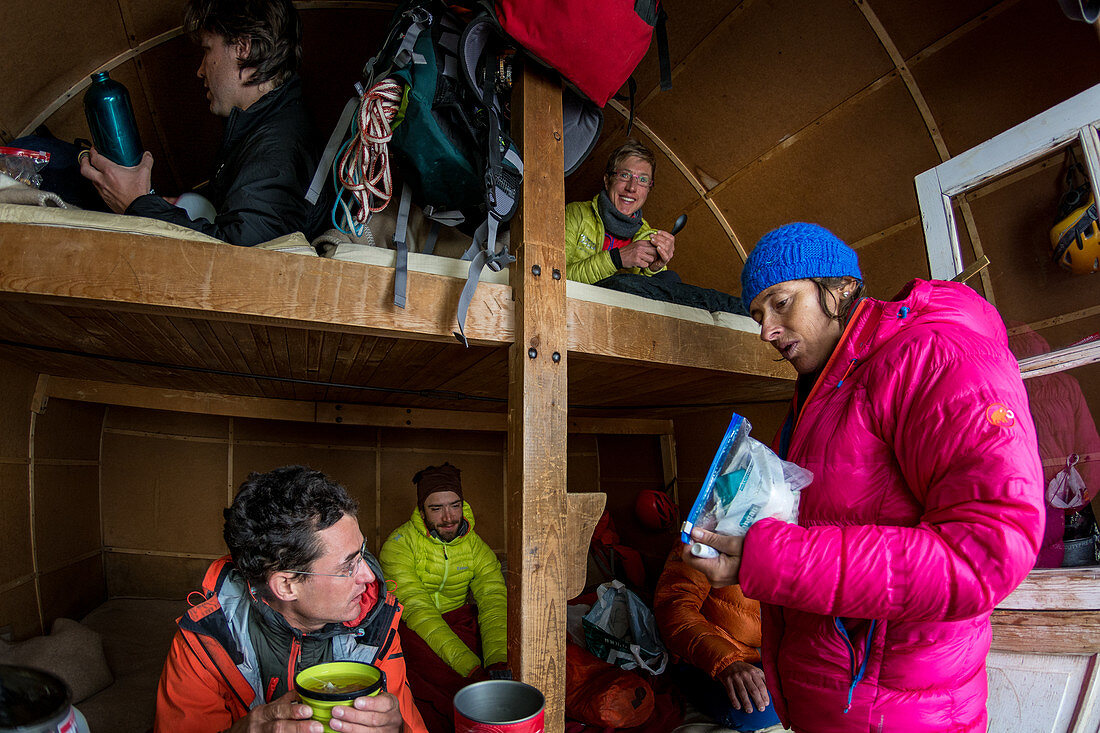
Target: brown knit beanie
{"x": 436, "y": 478}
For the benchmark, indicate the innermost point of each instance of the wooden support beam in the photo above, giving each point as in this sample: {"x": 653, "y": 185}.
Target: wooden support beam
{"x": 537, "y": 504}
{"x": 620, "y": 426}
{"x": 668, "y": 466}
{"x": 41, "y": 394}
{"x": 622, "y": 333}
{"x": 210, "y": 403}
{"x": 972, "y": 269}
{"x": 1046, "y": 632}
{"x": 1060, "y": 360}
{"x": 178, "y": 400}
{"x": 1056, "y": 590}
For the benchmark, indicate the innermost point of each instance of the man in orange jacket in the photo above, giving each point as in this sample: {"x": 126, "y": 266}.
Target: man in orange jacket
{"x": 299, "y": 588}
{"x": 715, "y": 632}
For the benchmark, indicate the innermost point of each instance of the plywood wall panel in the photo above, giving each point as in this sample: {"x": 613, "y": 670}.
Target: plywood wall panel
{"x": 1014, "y": 224}
{"x": 689, "y": 24}
{"x": 66, "y": 508}
{"x": 191, "y": 132}
{"x": 482, "y": 488}
{"x": 852, "y": 174}
{"x": 913, "y": 26}
{"x": 146, "y": 19}
{"x": 19, "y": 609}
{"x": 73, "y": 591}
{"x": 167, "y": 423}
{"x": 887, "y": 264}
{"x": 1072, "y": 332}
{"x": 49, "y": 48}
{"x": 671, "y": 194}
{"x": 698, "y": 435}
{"x": 352, "y": 469}
{"x": 775, "y": 70}
{"x": 336, "y": 42}
{"x": 316, "y": 434}
{"x": 163, "y": 494}
{"x": 68, "y": 430}
{"x": 705, "y": 255}
{"x": 144, "y": 576}
{"x": 432, "y": 440}
{"x": 15, "y": 523}
{"x": 631, "y": 458}
{"x": 15, "y": 409}
{"x": 583, "y": 473}
{"x": 1006, "y": 70}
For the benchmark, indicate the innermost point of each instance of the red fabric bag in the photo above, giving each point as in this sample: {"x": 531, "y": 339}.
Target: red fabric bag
{"x": 599, "y": 693}
{"x": 596, "y": 44}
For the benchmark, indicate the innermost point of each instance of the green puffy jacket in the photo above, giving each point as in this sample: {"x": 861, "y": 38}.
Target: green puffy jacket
{"x": 585, "y": 258}
{"x": 431, "y": 577}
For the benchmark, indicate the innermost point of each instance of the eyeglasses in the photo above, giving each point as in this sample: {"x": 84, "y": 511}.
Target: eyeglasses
{"x": 643, "y": 180}
{"x": 355, "y": 563}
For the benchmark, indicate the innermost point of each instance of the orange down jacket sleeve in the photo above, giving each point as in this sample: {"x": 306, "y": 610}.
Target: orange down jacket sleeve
{"x": 710, "y": 628}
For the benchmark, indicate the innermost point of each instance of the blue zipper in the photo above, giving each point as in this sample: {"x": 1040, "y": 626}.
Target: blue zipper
{"x": 857, "y": 674}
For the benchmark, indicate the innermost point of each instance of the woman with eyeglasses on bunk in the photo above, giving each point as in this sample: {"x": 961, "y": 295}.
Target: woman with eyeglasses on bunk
{"x": 608, "y": 243}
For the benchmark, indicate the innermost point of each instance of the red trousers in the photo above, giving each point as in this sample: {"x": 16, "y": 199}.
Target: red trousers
{"x": 432, "y": 680}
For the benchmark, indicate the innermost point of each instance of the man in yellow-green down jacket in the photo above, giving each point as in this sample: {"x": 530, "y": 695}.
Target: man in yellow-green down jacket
{"x": 434, "y": 561}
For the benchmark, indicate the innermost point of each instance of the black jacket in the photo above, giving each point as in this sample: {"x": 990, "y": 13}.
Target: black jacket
{"x": 267, "y": 158}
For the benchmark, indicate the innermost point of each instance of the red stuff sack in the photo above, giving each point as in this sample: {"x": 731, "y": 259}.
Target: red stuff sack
{"x": 598, "y": 693}
{"x": 596, "y": 44}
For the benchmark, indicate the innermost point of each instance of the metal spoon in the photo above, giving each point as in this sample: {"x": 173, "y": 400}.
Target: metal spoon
{"x": 681, "y": 220}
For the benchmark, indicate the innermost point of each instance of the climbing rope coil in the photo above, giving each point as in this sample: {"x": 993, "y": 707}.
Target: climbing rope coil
{"x": 362, "y": 170}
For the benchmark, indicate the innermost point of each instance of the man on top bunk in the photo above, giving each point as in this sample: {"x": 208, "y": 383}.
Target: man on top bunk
{"x": 435, "y": 559}
{"x": 299, "y": 588}
{"x": 251, "y": 50}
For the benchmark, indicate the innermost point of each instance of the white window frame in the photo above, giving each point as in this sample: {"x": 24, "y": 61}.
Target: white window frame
{"x": 1075, "y": 120}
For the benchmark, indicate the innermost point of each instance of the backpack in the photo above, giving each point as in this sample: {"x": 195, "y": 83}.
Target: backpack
{"x": 595, "y": 45}
{"x": 447, "y": 139}
{"x": 446, "y": 127}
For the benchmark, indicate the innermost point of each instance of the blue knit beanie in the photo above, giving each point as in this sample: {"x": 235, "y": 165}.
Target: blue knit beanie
{"x": 795, "y": 252}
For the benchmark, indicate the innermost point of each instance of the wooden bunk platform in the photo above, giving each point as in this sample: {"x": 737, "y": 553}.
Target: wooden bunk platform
{"x": 198, "y": 316}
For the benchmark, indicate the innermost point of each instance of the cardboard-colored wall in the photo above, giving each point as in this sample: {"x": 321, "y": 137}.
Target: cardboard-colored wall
{"x": 167, "y": 477}
{"x": 51, "y": 561}
{"x": 18, "y": 597}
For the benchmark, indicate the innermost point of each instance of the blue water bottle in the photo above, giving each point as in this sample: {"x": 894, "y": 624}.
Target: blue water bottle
{"x": 111, "y": 120}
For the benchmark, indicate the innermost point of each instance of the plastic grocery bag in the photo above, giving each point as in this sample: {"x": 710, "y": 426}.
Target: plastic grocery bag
{"x": 620, "y": 629}
{"x": 746, "y": 482}
{"x": 1067, "y": 489}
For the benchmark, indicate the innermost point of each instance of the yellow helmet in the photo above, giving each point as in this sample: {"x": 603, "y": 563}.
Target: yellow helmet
{"x": 1076, "y": 240}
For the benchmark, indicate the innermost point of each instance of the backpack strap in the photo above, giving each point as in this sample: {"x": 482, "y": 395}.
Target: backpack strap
{"x": 419, "y": 20}
{"x": 477, "y": 264}
{"x": 332, "y": 147}
{"x": 662, "y": 50}
{"x": 401, "y": 265}
{"x": 433, "y": 237}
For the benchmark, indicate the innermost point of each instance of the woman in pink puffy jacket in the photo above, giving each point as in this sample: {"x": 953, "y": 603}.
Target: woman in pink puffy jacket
{"x": 926, "y": 507}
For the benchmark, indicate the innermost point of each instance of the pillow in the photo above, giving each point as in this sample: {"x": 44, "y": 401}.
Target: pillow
{"x": 72, "y": 652}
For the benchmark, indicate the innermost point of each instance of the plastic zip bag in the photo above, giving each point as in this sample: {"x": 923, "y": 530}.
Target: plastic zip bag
{"x": 1067, "y": 489}
{"x": 24, "y": 166}
{"x": 746, "y": 482}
